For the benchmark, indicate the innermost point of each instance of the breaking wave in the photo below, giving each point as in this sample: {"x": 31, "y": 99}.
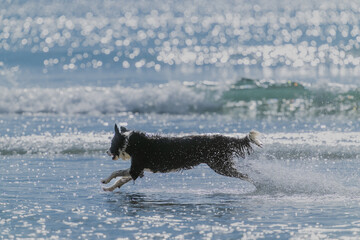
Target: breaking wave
{"x": 248, "y": 97}
{"x": 170, "y": 98}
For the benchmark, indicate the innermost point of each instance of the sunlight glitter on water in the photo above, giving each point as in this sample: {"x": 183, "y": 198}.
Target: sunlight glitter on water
{"x": 70, "y": 204}
{"x": 308, "y": 35}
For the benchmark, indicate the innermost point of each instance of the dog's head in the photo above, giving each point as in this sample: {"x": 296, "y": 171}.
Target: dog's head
{"x": 119, "y": 143}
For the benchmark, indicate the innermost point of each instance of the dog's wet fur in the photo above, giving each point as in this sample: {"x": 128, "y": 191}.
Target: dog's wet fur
{"x": 165, "y": 154}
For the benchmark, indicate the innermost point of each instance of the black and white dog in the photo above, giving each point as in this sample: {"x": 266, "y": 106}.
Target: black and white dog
{"x": 166, "y": 154}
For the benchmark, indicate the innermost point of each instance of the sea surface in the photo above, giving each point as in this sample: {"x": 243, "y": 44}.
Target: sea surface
{"x": 70, "y": 70}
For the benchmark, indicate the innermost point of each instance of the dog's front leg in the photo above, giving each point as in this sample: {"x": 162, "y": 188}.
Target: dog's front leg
{"x": 119, "y": 173}
{"x": 118, "y": 184}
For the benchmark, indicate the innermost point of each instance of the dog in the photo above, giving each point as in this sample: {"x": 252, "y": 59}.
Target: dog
{"x": 166, "y": 154}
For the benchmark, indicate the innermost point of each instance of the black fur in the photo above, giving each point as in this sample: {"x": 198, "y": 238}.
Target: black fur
{"x": 165, "y": 154}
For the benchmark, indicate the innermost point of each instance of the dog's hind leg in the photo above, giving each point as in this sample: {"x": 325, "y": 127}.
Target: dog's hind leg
{"x": 118, "y": 184}
{"x": 227, "y": 169}
{"x": 119, "y": 173}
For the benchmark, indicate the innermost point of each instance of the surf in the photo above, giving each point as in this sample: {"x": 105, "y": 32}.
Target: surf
{"x": 249, "y": 97}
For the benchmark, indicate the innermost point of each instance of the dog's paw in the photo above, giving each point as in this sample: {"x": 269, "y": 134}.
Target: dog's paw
{"x": 110, "y": 189}
{"x": 105, "y": 181}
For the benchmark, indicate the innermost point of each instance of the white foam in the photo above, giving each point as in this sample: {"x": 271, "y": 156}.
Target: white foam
{"x": 65, "y": 143}
{"x": 325, "y": 138}
{"x": 173, "y": 97}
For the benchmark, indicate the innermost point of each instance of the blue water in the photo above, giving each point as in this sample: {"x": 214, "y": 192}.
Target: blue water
{"x": 70, "y": 71}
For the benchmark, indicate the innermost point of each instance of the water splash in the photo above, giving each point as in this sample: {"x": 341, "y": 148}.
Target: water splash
{"x": 306, "y": 163}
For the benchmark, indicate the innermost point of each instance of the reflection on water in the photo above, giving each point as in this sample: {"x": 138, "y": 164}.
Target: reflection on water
{"x": 62, "y": 198}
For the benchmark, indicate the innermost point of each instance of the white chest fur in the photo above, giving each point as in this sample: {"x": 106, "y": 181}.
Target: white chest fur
{"x": 124, "y": 156}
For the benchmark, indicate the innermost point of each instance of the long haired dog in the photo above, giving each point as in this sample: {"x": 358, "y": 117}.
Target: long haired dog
{"x": 166, "y": 154}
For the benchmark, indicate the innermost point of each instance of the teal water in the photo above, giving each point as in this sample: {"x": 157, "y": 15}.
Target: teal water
{"x": 70, "y": 71}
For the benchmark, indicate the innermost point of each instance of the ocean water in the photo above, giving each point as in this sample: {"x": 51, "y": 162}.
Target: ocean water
{"x": 70, "y": 70}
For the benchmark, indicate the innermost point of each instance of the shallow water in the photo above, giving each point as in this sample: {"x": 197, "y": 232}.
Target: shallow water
{"x": 306, "y": 186}
{"x": 70, "y": 71}
{"x": 61, "y": 197}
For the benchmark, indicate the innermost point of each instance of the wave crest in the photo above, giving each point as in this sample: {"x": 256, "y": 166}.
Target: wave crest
{"x": 247, "y": 98}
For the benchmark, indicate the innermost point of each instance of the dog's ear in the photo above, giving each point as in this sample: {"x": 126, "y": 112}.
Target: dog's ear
{"x": 123, "y": 129}
{"x": 116, "y": 129}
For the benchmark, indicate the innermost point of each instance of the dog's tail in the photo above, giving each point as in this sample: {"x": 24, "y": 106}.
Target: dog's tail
{"x": 253, "y": 138}
{"x": 243, "y": 145}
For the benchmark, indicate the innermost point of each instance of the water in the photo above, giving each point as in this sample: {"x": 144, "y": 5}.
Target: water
{"x": 70, "y": 71}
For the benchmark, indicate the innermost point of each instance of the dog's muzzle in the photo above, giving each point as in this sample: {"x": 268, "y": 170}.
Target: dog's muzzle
{"x": 114, "y": 157}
